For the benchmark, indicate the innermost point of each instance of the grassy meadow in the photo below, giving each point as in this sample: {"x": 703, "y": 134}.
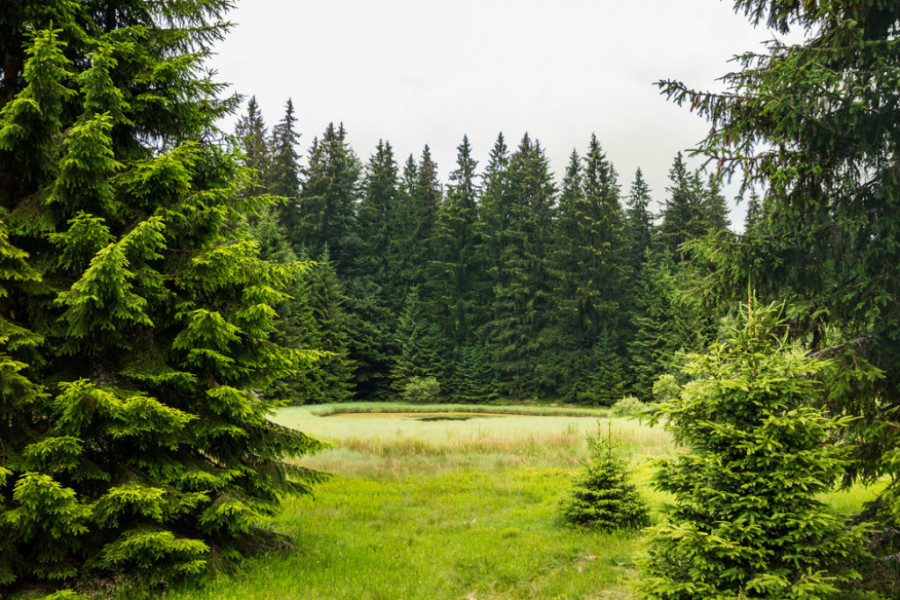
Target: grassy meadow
{"x": 448, "y": 505}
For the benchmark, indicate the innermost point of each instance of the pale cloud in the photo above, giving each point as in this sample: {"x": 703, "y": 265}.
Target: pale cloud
{"x": 419, "y": 72}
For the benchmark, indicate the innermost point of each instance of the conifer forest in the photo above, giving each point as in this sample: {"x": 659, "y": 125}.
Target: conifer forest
{"x": 174, "y": 292}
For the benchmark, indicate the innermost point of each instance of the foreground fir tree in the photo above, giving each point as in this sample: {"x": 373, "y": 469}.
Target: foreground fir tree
{"x": 746, "y": 522}
{"x": 813, "y": 120}
{"x": 136, "y": 317}
{"x": 602, "y": 498}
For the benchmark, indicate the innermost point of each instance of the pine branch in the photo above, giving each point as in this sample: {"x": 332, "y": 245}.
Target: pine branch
{"x": 824, "y": 352}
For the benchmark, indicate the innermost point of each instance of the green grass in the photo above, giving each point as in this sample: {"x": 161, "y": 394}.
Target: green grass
{"x": 403, "y": 407}
{"x": 449, "y": 509}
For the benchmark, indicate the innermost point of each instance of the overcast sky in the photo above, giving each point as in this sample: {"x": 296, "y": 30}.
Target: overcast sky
{"x": 418, "y": 72}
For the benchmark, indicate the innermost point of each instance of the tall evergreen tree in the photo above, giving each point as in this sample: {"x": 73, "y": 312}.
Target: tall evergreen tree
{"x": 603, "y": 287}
{"x": 377, "y": 222}
{"x": 519, "y": 322}
{"x": 567, "y": 242}
{"x": 754, "y": 214}
{"x": 284, "y": 175}
{"x": 252, "y": 135}
{"x": 715, "y": 206}
{"x": 571, "y": 359}
{"x": 328, "y": 197}
{"x": 814, "y": 122}
{"x": 137, "y": 316}
{"x": 429, "y": 190}
{"x": 495, "y": 205}
{"x": 407, "y": 235}
{"x": 375, "y": 289}
{"x": 639, "y": 228}
{"x": 456, "y": 259}
{"x": 590, "y": 265}
{"x": 685, "y": 215}
{"x": 416, "y": 240}
{"x": 409, "y": 177}
{"x": 334, "y": 369}
{"x": 415, "y": 358}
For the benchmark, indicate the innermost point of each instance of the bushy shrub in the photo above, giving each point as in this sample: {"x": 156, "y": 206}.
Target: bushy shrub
{"x": 422, "y": 390}
{"x": 601, "y": 497}
{"x": 629, "y": 406}
{"x": 666, "y": 388}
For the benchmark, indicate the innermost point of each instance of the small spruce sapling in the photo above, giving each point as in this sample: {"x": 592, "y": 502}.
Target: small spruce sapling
{"x": 746, "y": 521}
{"x": 601, "y": 497}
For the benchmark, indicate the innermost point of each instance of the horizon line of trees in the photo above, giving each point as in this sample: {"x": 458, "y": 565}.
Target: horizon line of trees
{"x": 497, "y": 283}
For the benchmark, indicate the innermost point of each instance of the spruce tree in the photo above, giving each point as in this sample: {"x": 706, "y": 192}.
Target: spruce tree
{"x": 284, "y": 174}
{"x": 685, "y": 214}
{"x": 457, "y": 267}
{"x": 747, "y": 521}
{"x": 754, "y": 214}
{"x": 590, "y": 267}
{"x": 418, "y": 250}
{"x": 375, "y": 289}
{"x": 601, "y": 497}
{"x": 565, "y": 253}
{"x": 811, "y": 121}
{"x": 377, "y": 222}
{"x": 639, "y": 228}
{"x": 570, "y": 342}
{"x": 334, "y": 369}
{"x": 137, "y": 314}
{"x": 429, "y": 191}
{"x": 715, "y": 207}
{"x": 412, "y": 332}
{"x": 252, "y": 134}
{"x": 495, "y": 204}
{"x": 604, "y": 253}
{"x": 524, "y": 214}
{"x": 328, "y": 197}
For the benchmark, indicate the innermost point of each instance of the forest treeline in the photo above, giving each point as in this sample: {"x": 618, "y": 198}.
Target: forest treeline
{"x": 499, "y": 283}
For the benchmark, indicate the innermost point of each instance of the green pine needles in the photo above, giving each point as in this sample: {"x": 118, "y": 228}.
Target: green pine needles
{"x": 601, "y": 497}
{"x": 746, "y": 522}
{"x": 136, "y": 315}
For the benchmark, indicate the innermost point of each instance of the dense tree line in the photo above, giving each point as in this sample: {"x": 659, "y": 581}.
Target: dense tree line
{"x": 499, "y": 283}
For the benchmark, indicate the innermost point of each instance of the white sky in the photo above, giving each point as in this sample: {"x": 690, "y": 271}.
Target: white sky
{"x": 418, "y": 72}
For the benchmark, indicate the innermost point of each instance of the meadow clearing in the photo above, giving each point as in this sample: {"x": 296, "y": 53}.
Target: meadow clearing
{"x": 450, "y": 505}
